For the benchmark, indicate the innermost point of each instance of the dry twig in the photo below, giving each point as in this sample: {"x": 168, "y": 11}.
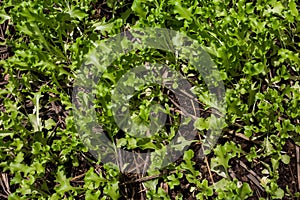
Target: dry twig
{"x": 252, "y": 176}
{"x": 298, "y": 164}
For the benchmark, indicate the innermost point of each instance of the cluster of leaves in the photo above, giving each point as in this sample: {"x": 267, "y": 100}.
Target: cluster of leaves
{"x": 255, "y": 45}
{"x": 39, "y": 143}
